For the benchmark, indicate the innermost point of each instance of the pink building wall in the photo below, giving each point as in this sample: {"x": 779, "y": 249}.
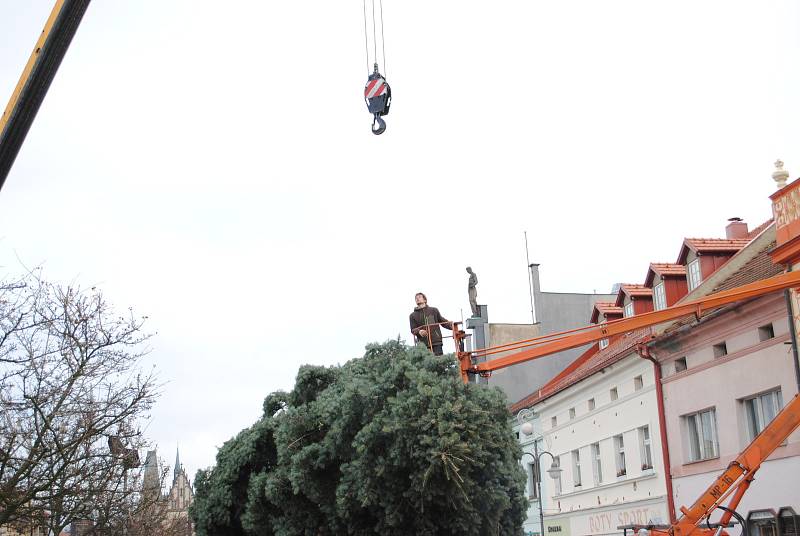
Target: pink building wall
{"x": 751, "y": 366}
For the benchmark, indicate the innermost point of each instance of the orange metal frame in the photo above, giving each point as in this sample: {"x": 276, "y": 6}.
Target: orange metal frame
{"x": 549, "y": 344}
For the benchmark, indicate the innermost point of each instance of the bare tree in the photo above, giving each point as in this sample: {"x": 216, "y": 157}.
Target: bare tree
{"x": 70, "y": 377}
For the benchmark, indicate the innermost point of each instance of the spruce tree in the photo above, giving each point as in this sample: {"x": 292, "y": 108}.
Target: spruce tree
{"x": 392, "y": 443}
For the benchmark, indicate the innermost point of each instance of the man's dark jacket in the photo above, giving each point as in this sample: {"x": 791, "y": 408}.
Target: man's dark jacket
{"x": 424, "y": 316}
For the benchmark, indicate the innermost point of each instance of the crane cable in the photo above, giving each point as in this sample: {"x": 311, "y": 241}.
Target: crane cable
{"x": 377, "y": 93}
{"x": 374, "y": 36}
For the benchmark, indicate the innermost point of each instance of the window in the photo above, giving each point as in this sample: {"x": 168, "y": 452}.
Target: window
{"x": 576, "y": 468}
{"x": 571, "y": 413}
{"x": 680, "y": 364}
{"x": 720, "y": 349}
{"x": 760, "y": 410}
{"x": 591, "y": 404}
{"x": 702, "y": 435}
{"x": 614, "y": 394}
{"x": 693, "y": 276}
{"x": 597, "y": 466}
{"x": 659, "y": 297}
{"x": 766, "y": 332}
{"x": 533, "y": 475}
{"x": 557, "y": 487}
{"x": 644, "y": 447}
{"x": 628, "y": 310}
{"x": 553, "y": 421}
{"x": 638, "y": 383}
{"x": 603, "y": 343}
{"x": 619, "y": 454}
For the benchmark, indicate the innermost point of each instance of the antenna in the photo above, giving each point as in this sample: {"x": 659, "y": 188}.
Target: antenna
{"x": 530, "y": 283}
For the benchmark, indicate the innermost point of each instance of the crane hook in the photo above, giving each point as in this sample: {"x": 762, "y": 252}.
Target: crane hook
{"x": 378, "y": 96}
{"x": 381, "y": 124}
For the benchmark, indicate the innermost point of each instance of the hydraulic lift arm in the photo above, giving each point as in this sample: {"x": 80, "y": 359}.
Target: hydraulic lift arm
{"x": 736, "y": 478}
{"x": 549, "y": 344}
{"x": 36, "y": 78}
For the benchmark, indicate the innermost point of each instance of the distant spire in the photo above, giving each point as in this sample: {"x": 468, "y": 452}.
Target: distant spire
{"x": 177, "y": 469}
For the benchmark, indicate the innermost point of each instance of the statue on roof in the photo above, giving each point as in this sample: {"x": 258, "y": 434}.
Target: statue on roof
{"x": 472, "y": 291}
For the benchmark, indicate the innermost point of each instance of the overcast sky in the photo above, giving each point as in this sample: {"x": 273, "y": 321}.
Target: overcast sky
{"x": 211, "y": 165}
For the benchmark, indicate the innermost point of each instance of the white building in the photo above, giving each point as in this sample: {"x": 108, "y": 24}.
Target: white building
{"x": 599, "y": 419}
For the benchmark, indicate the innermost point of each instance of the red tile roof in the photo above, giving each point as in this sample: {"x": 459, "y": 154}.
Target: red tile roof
{"x": 668, "y": 269}
{"x": 605, "y": 308}
{"x": 663, "y": 269}
{"x": 760, "y": 229}
{"x": 636, "y": 290}
{"x": 589, "y": 363}
{"x": 758, "y": 268}
{"x": 608, "y": 308}
{"x": 709, "y": 245}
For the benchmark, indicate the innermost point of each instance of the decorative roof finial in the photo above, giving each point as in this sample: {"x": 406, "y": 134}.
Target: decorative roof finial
{"x": 780, "y": 175}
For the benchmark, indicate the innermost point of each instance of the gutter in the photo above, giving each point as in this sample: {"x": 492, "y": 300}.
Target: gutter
{"x": 787, "y": 294}
{"x": 644, "y": 353}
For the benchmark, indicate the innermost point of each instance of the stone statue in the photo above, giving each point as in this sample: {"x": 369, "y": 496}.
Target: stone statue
{"x": 473, "y": 292}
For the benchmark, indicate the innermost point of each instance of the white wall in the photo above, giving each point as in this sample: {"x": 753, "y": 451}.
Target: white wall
{"x": 624, "y": 416}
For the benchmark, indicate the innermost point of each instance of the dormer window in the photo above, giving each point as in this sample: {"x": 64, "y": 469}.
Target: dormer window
{"x": 693, "y": 276}
{"x": 659, "y": 297}
{"x": 628, "y": 311}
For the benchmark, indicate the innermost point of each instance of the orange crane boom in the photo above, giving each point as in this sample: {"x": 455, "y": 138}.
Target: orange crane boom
{"x": 550, "y": 344}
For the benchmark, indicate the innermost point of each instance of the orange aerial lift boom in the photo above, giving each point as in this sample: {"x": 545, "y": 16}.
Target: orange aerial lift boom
{"x": 535, "y": 348}
{"x": 736, "y": 479}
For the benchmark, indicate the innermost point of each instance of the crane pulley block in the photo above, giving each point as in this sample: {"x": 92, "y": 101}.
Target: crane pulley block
{"x": 378, "y": 96}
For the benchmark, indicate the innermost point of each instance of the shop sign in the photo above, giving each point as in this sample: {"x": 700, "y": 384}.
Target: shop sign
{"x": 557, "y": 528}
{"x": 608, "y": 521}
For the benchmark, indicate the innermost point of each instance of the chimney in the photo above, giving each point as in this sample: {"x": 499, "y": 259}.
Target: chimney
{"x": 536, "y": 290}
{"x": 736, "y": 229}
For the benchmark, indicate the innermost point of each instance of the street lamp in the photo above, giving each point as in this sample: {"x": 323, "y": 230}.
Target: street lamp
{"x": 554, "y": 471}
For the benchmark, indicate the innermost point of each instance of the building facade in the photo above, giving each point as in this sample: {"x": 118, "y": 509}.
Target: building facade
{"x": 711, "y": 382}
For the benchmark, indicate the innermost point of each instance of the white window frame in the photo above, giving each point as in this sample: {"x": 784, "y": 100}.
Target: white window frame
{"x": 619, "y": 455}
{"x": 591, "y": 404}
{"x": 684, "y": 364}
{"x": 701, "y": 435}
{"x": 613, "y": 393}
{"x": 759, "y": 410}
{"x": 571, "y": 413}
{"x": 645, "y": 448}
{"x": 576, "y": 468}
{"x": 597, "y": 464}
{"x": 694, "y": 275}
{"x": 628, "y": 309}
{"x": 659, "y": 297}
{"x": 638, "y": 383}
{"x": 603, "y": 343}
{"x": 553, "y": 421}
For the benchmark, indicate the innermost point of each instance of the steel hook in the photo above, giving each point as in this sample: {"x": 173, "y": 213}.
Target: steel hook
{"x": 381, "y": 125}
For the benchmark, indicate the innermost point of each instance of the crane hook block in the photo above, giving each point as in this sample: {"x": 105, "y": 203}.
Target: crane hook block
{"x": 378, "y": 96}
